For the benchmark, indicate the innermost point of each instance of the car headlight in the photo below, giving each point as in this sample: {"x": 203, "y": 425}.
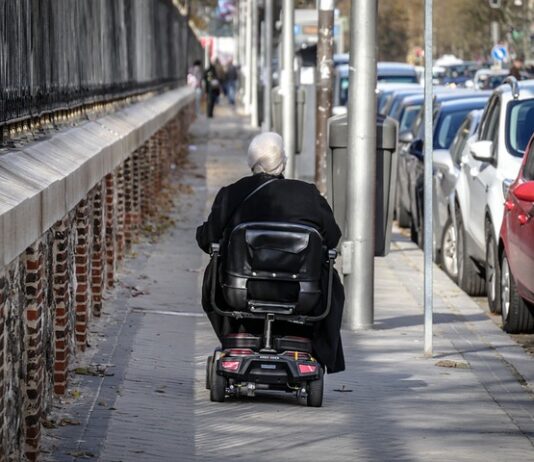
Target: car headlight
{"x": 506, "y": 186}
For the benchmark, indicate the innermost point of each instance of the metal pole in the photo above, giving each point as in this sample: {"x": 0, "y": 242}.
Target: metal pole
{"x": 268, "y": 68}
{"x": 428, "y": 301}
{"x": 325, "y": 88}
{"x": 288, "y": 86}
{"x": 248, "y": 58}
{"x": 361, "y": 168}
{"x": 254, "y": 66}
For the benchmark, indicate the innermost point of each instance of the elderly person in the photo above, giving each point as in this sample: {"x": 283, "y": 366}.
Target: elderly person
{"x": 277, "y": 199}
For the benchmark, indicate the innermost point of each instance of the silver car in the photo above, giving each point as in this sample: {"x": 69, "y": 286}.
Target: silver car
{"x": 446, "y": 168}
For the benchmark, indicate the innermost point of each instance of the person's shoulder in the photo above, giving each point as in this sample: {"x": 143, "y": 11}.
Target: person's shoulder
{"x": 301, "y": 185}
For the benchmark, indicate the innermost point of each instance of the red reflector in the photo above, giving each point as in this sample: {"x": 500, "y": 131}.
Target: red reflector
{"x": 230, "y": 365}
{"x": 307, "y": 368}
{"x": 240, "y": 352}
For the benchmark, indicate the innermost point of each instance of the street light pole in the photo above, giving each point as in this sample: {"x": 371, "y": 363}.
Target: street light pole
{"x": 325, "y": 87}
{"x": 288, "y": 86}
{"x": 361, "y": 180}
{"x": 248, "y": 57}
{"x": 254, "y": 66}
{"x": 268, "y": 80}
{"x": 427, "y": 244}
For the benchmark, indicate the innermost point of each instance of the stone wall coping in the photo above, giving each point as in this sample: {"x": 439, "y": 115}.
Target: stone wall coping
{"x": 42, "y": 181}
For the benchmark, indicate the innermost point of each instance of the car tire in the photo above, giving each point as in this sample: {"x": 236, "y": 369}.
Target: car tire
{"x": 403, "y": 217}
{"x": 217, "y": 385}
{"x": 492, "y": 273}
{"x": 469, "y": 278}
{"x": 316, "y": 391}
{"x": 448, "y": 259}
{"x": 413, "y": 233}
{"x": 517, "y": 315}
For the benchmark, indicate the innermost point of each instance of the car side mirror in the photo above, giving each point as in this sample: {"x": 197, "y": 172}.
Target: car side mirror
{"x": 416, "y": 148}
{"x": 482, "y": 150}
{"x": 406, "y": 137}
{"x": 525, "y": 191}
{"x": 441, "y": 159}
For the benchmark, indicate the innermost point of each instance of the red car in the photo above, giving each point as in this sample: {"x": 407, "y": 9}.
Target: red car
{"x": 517, "y": 250}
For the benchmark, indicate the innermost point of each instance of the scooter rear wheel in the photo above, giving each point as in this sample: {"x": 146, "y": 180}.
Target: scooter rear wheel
{"x": 315, "y": 391}
{"x": 209, "y": 368}
{"x": 217, "y": 385}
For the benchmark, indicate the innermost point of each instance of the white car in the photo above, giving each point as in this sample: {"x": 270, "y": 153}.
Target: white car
{"x": 490, "y": 162}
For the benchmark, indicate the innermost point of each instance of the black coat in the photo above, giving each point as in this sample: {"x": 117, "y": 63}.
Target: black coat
{"x": 290, "y": 201}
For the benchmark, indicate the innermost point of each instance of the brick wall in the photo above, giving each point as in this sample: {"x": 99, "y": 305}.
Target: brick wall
{"x": 49, "y": 295}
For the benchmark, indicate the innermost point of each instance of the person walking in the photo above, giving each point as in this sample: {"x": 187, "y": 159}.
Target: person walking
{"x": 194, "y": 80}
{"x": 231, "y": 82}
{"x": 212, "y": 88}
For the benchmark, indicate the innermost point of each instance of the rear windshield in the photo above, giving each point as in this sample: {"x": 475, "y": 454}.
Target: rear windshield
{"x": 447, "y": 127}
{"x": 519, "y": 125}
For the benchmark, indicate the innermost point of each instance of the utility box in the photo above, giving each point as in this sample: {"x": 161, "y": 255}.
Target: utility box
{"x": 277, "y": 114}
{"x": 386, "y": 175}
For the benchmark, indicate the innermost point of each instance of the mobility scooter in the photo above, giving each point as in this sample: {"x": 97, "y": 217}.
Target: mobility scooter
{"x": 261, "y": 259}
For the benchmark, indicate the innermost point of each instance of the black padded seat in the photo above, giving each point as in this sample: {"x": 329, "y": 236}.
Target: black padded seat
{"x": 274, "y": 263}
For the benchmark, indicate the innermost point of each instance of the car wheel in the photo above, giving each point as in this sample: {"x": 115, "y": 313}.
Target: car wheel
{"x": 217, "y": 385}
{"x": 449, "y": 261}
{"x": 403, "y": 216}
{"x": 469, "y": 279}
{"x": 493, "y": 278}
{"x": 316, "y": 391}
{"x": 517, "y": 315}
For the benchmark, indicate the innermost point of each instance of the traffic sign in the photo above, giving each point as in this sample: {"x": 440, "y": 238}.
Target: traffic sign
{"x": 499, "y": 53}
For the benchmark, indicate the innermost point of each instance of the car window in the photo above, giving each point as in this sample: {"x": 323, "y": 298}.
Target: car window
{"x": 528, "y": 171}
{"x": 408, "y": 117}
{"x": 458, "y": 144}
{"x": 447, "y": 127}
{"x": 493, "y": 124}
{"x": 519, "y": 125}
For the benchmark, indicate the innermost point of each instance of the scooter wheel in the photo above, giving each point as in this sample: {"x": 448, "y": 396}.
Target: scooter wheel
{"x": 315, "y": 391}
{"x": 209, "y": 367}
{"x": 218, "y": 385}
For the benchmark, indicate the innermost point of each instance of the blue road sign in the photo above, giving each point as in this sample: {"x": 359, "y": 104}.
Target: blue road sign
{"x": 499, "y": 53}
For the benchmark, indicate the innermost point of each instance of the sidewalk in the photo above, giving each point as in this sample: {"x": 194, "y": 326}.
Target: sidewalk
{"x": 391, "y": 404}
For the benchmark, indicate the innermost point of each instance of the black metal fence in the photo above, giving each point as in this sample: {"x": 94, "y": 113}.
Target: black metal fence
{"x": 60, "y": 54}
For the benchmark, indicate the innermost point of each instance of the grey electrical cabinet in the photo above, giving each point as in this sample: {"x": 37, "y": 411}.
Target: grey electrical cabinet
{"x": 277, "y": 114}
{"x": 386, "y": 175}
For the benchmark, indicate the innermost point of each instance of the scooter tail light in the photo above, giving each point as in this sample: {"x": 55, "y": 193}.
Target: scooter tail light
{"x": 307, "y": 368}
{"x": 231, "y": 366}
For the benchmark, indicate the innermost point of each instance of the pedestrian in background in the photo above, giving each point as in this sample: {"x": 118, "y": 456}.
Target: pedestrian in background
{"x": 517, "y": 66}
{"x": 194, "y": 80}
{"x": 213, "y": 88}
{"x": 231, "y": 81}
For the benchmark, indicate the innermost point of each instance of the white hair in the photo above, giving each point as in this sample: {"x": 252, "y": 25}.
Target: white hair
{"x": 266, "y": 154}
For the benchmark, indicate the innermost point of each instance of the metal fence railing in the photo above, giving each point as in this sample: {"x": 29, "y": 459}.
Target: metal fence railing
{"x": 61, "y": 54}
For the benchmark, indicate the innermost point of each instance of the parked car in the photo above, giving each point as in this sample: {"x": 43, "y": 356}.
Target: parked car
{"x": 446, "y": 168}
{"x": 489, "y": 79}
{"x": 385, "y": 72}
{"x": 490, "y": 162}
{"x": 386, "y": 90}
{"x": 404, "y": 198}
{"x": 516, "y": 251}
{"x": 448, "y": 116}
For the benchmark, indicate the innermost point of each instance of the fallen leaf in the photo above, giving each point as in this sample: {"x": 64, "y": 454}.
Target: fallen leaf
{"x": 68, "y": 421}
{"x": 452, "y": 364}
